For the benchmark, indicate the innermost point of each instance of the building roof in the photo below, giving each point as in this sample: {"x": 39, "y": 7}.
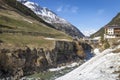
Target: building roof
{"x": 112, "y": 26}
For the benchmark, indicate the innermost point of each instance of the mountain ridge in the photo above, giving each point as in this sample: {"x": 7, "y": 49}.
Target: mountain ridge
{"x": 19, "y": 22}
{"x": 53, "y": 19}
{"x": 115, "y": 21}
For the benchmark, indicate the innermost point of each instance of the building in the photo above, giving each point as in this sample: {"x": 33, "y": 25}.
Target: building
{"x": 112, "y": 31}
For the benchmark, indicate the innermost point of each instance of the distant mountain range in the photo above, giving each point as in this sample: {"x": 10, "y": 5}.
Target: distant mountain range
{"x": 114, "y": 21}
{"x": 50, "y": 17}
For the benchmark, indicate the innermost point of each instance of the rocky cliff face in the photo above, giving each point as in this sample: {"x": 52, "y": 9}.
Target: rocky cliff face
{"x": 20, "y": 62}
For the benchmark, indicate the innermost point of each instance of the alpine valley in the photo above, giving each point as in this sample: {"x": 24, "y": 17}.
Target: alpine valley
{"x": 34, "y": 39}
{"x": 37, "y": 44}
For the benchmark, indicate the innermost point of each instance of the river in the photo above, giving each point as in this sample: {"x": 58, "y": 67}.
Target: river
{"x": 54, "y": 73}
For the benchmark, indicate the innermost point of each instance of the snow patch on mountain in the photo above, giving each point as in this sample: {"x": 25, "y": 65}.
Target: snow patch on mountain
{"x": 22, "y": 1}
{"x": 63, "y": 67}
{"x": 96, "y": 51}
{"x": 45, "y": 13}
{"x": 27, "y": 20}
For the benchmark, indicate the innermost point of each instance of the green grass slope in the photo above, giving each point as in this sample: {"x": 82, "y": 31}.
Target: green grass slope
{"x": 100, "y": 32}
{"x": 19, "y": 26}
{"x": 115, "y": 20}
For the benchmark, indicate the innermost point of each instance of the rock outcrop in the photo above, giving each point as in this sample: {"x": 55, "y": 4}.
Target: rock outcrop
{"x": 25, "y": 61}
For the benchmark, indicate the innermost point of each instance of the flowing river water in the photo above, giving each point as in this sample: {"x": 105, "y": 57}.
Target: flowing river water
{"x": 54, "y": 73}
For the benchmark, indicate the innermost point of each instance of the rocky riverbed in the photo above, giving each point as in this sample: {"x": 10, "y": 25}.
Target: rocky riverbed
{"x": 18, "y": 62}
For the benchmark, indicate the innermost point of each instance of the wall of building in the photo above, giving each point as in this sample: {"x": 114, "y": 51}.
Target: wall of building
{"x": 110, "y": 31}
{"x": 109, "y": 36}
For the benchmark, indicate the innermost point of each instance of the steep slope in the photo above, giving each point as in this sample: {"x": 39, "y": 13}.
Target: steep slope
{"x": 51, "y": 18}
{"x": 104, "y": 66}
{"x": 29, "y": 45}
{"x": 114, "y": 21}
{"x": 100, "y": 32}
{"x": 20, "y": 26}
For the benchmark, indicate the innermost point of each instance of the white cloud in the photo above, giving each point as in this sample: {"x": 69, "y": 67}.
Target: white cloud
{"x": 59, "y": 9}
{"x": 100, "y": 11}
{"x": 74, "y": 9}
{"x": 67, "y": 8}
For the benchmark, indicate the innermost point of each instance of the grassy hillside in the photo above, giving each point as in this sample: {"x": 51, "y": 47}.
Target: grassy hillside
{"x": 100, "y": 32}
{"x": 19, "y": 26}
{"x": 114, "y": 21}
{"x": 24, "y": 10}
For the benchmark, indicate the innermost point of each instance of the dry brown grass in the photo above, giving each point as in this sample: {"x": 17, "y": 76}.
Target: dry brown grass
{"x": 12, "y": 40}
{"x": 18, "y": 22}
{"x": 80, "y": 52}
{"x": 116, "y": 51}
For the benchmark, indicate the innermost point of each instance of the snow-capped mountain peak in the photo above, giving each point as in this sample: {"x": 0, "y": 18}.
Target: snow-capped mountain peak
{"x": 45, "y": 13}
{"x": 52, "y": 18}
{"x": 22, "y": 1}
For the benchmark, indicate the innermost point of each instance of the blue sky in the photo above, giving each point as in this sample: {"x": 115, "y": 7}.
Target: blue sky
{"x": 87, "y": 15}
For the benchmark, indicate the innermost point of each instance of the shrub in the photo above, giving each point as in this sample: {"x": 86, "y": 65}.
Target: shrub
{"x": 116, "y": 51}
{"x": 106, "y": 44}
